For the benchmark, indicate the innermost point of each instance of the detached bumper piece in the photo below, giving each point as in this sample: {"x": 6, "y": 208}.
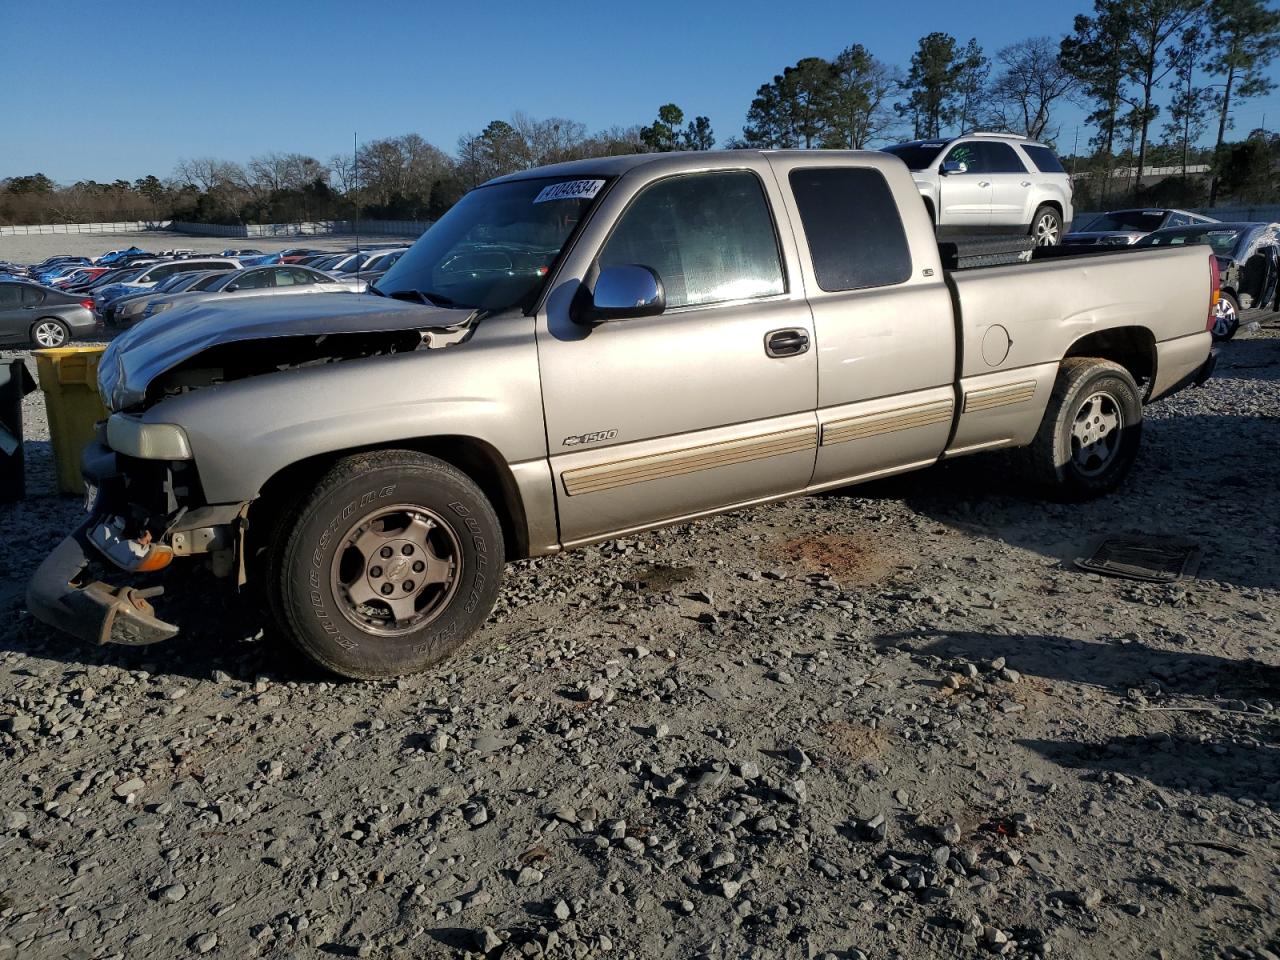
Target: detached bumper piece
{"x": 96, "y": 612}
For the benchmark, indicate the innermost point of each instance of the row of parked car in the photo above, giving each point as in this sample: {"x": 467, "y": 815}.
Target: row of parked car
{"x": 66, "y": 297}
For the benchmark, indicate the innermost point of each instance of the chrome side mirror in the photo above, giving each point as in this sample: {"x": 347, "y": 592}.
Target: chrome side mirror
{"x": 624, "y": 292}
{"x": 953, "y": 166}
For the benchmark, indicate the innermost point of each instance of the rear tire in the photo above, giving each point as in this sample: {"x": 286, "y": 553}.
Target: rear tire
{"x": 48, "y": 332}
{"x": 387, "y": 567}
{"x": 1046, "y": 226}
{"x": 1226, "y": 317}
{"x": 1090, "y": 433}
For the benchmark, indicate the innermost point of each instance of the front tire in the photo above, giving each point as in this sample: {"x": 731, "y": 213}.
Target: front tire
{"x": 388, "y": 566}
{"x": 48, "y": 332}
{"x": 1226, "y": 317}
{"x": 1046, "y": 226}
{"x": 1090, "y": 433}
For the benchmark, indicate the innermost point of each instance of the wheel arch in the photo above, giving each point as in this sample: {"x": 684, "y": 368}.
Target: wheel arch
{"x": 477, "y": 459}
{"x": 1134, "y": 348}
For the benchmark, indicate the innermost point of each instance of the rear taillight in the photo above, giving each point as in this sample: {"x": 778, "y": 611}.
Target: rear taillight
{"x": 1215, "y": 278}
{"x": 87, "y": 304}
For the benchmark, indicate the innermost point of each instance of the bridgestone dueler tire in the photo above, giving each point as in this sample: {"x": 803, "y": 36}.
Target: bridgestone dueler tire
{"x": 302, "y": 595}
{"x": 1048, "y": 461}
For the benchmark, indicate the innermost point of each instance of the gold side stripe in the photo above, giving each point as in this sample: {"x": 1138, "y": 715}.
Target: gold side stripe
{"x": 886, "y": 421}
{"x": 999, "y": 396}
{"x": 674, "y": 463}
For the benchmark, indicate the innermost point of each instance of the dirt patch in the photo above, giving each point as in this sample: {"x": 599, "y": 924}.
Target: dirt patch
{"x": 853, "y": 742}
{"x": 856, "y": 560}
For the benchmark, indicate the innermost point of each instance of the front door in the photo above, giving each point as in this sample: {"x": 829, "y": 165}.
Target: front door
{"x": 656, "y": 418}
{"x": 964, "y": 199}
{"x": 1010, "y": 184}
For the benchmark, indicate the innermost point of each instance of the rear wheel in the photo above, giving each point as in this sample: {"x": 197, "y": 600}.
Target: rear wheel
{"x": 1226, "y": 317}
{"x": 1046, "y": 226}
{"x": 1091, "y": 431}
{"x": 48, "y": 332}
{"x": 393, "y": 561}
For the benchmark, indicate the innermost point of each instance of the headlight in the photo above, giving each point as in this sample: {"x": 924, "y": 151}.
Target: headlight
{"x": 147, "y": 441}
{"x": 160, "y": 308}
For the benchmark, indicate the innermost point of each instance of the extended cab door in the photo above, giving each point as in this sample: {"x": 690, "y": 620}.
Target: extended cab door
{"x": 964, "y": 198}
{"x": 656, "y": 418}
{"x": 882, "y": 315}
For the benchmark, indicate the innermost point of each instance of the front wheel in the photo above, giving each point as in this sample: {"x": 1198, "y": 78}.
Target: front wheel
{"x": 1090, "y": 433}
{"x": 1226, "y": 317}
{"x": 49, "y": 333}
{"x": 388, "y": 566}
{"x": 1046, "y": 227}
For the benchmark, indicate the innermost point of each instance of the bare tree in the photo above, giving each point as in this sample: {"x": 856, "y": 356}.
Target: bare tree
{"x": 1030, "y": 82}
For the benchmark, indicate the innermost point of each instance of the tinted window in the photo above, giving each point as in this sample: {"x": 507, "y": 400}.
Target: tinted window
{"x": 709, "y": 236}
{"x": 966, "y": 153}
{"x": 256, "y": 280}
{"x": 1128, "y": 220}
{"x": 1000, "y": 158}
{"x": 852, "y": 226}
{"x": 10, "y": 294}
{"x": 303, "y": 276}
{"x": 1044, "y": 159}
{"x": 917, "y": 156}
{"x": 32, "y": 296}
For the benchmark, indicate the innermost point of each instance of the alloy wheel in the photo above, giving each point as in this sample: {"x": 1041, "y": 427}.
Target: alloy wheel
{"x": 50, "y": 333}
{"x": 1095, "y": 434}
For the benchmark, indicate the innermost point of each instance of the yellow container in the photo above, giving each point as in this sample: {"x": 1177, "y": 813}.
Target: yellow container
{"x": 69, "y": 381}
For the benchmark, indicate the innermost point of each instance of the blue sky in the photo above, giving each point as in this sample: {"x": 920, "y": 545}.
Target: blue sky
{"x": 233, "y": 78}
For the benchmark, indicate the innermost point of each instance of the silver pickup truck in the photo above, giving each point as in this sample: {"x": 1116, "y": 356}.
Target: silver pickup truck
{"x": 588, "y": 350}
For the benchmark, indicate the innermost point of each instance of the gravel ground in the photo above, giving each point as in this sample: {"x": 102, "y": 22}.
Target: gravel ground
{"x": 33, "y": 249}
{"x": 889, "y": 722}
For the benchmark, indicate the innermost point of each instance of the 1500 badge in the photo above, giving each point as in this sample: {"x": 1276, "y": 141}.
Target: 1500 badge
{"x": 596, "y": 437}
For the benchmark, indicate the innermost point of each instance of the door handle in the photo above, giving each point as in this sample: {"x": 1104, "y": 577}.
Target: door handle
{"x": 786, "y": 343}
{"x": 1026, "y": 183}
{"x": 984, "y": 183}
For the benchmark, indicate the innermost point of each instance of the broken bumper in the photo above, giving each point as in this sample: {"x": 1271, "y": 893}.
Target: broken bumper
{"x": 96, "y": 612}
{"x": 1205, "y": 372}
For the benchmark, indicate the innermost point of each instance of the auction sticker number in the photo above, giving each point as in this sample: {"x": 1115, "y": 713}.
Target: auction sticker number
{"x": 570, "y": 190}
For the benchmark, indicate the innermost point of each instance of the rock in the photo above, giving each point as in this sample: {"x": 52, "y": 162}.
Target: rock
{"x": 172, "y": 893}
{"x": 729, "y": 888}
{"x": 15, "y": 820}
{"x": 1089, "y": 898}
{"x": 488, "y": 940}
{"x": 130, "y": 788}
{"x": 561, "y": 910}
{"x": 205, "y": 942}
{"x": 659, "y": 730}
{"x": 720, "y": 857}
{"x": 950, "y": 833}
{"x": 528, "y": 877}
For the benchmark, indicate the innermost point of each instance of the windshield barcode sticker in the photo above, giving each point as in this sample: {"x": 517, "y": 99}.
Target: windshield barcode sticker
{"x": 570, "y": 190}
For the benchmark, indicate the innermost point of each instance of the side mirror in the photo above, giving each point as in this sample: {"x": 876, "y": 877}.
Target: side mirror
{"x": 624, "y": 292}
{"x": 231, "y": 288}
{"x": 953, "y": 166}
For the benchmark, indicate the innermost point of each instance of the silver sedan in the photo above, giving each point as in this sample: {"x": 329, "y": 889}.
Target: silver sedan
{"x": 257, "y": 282}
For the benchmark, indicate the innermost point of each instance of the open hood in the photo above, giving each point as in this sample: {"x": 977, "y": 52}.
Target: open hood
{"x": 133, "y": 360}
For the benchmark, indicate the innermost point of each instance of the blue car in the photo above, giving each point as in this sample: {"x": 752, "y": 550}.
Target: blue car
{"x": 115, "y": 255}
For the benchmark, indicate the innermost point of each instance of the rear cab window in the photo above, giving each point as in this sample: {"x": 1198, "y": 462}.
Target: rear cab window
{"x": 852, "y": 226}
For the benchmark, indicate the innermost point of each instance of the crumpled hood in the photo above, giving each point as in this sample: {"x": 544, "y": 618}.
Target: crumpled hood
{"x": 137, "y": 357}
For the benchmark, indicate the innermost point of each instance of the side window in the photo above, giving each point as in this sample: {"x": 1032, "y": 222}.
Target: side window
{"x": 852, "y": 226}
{"x": 302, "y": 277}
{"x": 1000, "y": 158}
{"x": 967, "y": 154}
{"x": 31, "y": 296}
{"x": 1044, "y": 159}
{"x": 257, "y": 280}
{"x": 709, "y": 236}
{"x": 284, "y": 277}
{"x": 10, "y": 295}
{"x": 1179, "y": 220}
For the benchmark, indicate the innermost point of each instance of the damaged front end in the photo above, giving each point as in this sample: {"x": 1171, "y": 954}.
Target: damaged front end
{"x": 99, "y": 582}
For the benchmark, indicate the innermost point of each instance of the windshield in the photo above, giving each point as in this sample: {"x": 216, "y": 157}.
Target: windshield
{"x": 917, "y": 156}
{"x": 494, "y": 248}
{"x": 1222, "y": 240}
{"x": 1143, "y": 220}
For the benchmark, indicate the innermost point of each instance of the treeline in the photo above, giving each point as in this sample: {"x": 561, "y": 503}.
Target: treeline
{"x": 1157, "y": 78}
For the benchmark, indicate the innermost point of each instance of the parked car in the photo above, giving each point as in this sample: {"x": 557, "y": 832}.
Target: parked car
{"x": 1124, "y": 227}
{"x": 30, "y": 313}
{"x": 150, "y": 276}
{"x": 296, "y": 254}
{"x": 78, "y": 275}
{"x": 377, "y": 459}
{"x": 126, "y": 310}
{"x": 1249, "y": 267}
{"x": 246, "y": 252}
{"x": 991, "y": 183}
{"x": 257, "y": 282}
{"x": 115, "y": 256}
{"x": 60, "y": 267}
{"x": 374, "y": 261}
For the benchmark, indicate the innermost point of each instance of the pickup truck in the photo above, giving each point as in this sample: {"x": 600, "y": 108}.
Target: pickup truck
{"x": 587, "y": 350}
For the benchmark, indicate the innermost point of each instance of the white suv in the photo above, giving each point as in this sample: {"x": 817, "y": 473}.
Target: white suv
{"x": 991, "y": 183}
